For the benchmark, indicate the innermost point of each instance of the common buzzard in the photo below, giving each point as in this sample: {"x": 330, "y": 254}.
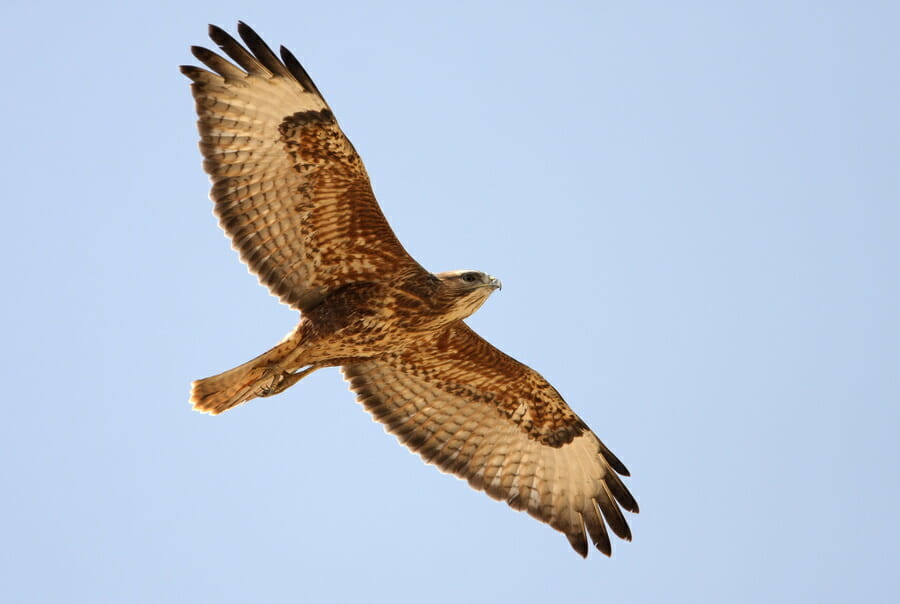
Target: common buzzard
{"x": 294, "y": 196}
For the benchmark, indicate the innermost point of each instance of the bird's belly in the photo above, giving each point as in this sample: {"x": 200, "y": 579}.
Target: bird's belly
{"x": 359, "y": 337}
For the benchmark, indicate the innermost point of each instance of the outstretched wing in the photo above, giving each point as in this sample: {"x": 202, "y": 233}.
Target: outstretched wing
{"x": 475, "y": 412}
{"x": 289, "y": 188}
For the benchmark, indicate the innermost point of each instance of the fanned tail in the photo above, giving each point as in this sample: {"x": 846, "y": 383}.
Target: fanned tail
{"x": 263, "y": 376}
{"x": 222, "y": 392}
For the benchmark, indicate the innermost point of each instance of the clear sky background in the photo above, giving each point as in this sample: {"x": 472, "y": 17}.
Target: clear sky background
{"x": 695, "y": 211}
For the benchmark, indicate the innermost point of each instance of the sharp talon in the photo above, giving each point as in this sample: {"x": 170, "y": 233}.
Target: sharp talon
{"x": 275, "y": 376}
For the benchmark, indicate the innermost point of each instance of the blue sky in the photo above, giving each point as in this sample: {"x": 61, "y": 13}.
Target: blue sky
{"x": 695, "y": 212}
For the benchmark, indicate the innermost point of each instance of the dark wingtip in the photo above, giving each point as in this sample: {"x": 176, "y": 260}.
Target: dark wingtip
{"x": 194, "y": 73}
{"x": 200, "y": 52}
{"x": 296, "y": 69}
{"x": 623, "y": 531}
{"x": 245, "y": 30}
{"x": 579, "y": 543}
{"x": 614, "y": 462}
{"x": 216, "y": 33}
{"x": 261, "y": 51}
{"x": 221, "y": 37}
{"x": 603, "y": 544}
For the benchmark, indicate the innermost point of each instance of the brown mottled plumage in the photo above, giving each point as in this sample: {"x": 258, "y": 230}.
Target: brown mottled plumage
{"x": 294, "y": 196}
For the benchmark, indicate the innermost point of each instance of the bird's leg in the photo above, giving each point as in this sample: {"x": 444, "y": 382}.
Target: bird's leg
{"x": 280, "y": 380}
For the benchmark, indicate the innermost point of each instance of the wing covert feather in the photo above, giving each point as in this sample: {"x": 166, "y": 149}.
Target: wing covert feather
{"x": 475, "y": 412}
{"x": 288, "y": 186}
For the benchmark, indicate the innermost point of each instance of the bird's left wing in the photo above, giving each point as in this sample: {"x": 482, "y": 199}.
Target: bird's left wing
{"x": 477, "y": 413}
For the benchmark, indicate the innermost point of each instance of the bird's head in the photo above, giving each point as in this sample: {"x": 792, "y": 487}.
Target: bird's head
{"x": 465, "y": 291}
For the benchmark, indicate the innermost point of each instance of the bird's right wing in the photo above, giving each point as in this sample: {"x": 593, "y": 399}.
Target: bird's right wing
{"x": 289, "y": 188}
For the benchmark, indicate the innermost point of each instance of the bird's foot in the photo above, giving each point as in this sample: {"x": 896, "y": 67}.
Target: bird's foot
{"x": 271, "y": 381}
{"x": 275, "y": 379}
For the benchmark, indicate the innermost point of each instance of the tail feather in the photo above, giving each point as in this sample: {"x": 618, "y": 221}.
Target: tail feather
{"x": 255, "y": 378}
{"x": 231, "y": 388}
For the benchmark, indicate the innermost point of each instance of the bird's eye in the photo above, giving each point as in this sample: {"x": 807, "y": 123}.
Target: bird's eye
{"x": 470, "y": 277}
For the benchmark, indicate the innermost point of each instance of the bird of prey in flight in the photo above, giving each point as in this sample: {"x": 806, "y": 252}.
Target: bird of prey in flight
{"x": 294, "y": 197}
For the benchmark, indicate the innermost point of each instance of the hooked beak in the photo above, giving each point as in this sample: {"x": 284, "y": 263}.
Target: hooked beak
{"x": 495, "y": 282}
